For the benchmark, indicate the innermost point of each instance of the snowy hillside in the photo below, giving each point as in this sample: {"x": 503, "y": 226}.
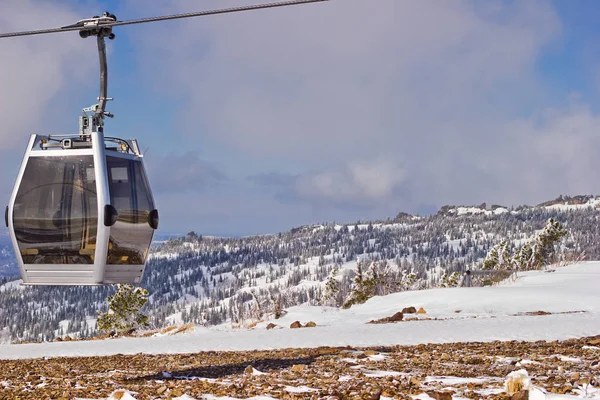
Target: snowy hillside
{"x": 538, "y": 305}
{"x": 192, "y": 277}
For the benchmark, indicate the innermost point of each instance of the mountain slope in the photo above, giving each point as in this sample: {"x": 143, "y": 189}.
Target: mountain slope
{"x": 216, "y": 280}
{"x": 538, "y": 305}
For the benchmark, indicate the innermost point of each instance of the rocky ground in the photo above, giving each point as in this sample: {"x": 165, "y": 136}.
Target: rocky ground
{"x": 468, "y": 370}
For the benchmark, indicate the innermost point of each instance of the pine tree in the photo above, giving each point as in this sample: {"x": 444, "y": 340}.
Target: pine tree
{"x": 124, "y": 310}
{"x": 277, "y": 306}
{"x": 543, "y": 247}
{"x": 491, "y": 261}
{"x": 505, "y": 259}
{"x": 332, "y": 288}
{"x": 408, "y": 280}
{"x": 523, "y": 258}
{"x": 361, "y": 288}
{"x": 453, "y": 280}
{"x": 444, "y": 280}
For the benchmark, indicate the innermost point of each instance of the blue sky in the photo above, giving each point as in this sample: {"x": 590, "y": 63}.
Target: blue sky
{"x": 352, "y": 109}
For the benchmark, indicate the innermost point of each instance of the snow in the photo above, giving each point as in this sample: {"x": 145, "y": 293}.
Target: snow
{"x": 592, "y": 203}
{"x": 455, "y": 380}
{"x": 299, "y": 389}
{"x": 12, "y": 285}
{"x": 490, "y": 313}
{"x": 462, "y": 210}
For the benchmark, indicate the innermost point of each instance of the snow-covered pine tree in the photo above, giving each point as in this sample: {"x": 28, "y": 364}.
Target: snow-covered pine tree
{"x": 453, "y": 280}
{"x": 444, "y": 280}
{"x": 361, "y": 287}
{"x": 523, "y": 257}
{"x": 277, "y": 306}
{"x": 491, "y": 260}
{"x": 543, "y": 247}
{"x": 505, "y": 259}
{"x": 408, "y": 280}
{"x": 332, "y": 288}
{"x": 124, "y": 313}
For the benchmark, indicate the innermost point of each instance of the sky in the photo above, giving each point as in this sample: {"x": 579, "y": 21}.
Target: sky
{"x": 346, "y": 110}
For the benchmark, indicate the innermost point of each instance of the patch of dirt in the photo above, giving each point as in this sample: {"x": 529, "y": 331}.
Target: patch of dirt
{"x": 535, "y": 313}
{"x": 471, "y": 370}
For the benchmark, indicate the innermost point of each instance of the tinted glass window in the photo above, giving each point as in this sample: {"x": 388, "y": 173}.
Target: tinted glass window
{"x": 56, "y": 211}
{"x": 131, "y": 236}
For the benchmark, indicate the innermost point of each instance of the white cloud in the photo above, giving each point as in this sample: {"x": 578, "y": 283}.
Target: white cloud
{"x": 37, "y": 69}
{"x": 358, "y": 183}
{"x": 343, "y": 76}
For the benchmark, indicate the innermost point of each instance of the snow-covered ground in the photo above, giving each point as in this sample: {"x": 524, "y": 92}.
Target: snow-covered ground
{"x": 570, "y": 293}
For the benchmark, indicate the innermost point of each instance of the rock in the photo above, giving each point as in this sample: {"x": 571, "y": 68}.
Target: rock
{"x": 409, "y": 310}
{"x": 67, "y": 338}
{"x": 298, "y": 368}
{"x": 538, "y": 313}
{"x": 440, "y": 395}
{"x": 396, "y": 317}
{"x": 521, "y": 395}
{"x": 310, "y": 324}
{"x": 249, "y": 369}
{"x": 58, "y": 339}
{"x": 271, "y": 326}
{"x": 161, "y": 390}
{"x": 421, "y": 311}
{"x": 594, "y": 341}
{"x": 296, "y": 324}
{"x": 414, "y": 381}
{"x": 575, "y": 376}
{"x": 374, "y": 395}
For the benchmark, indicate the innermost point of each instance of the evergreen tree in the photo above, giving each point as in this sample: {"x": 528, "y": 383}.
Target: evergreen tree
{"x": 408, "y": 280}
{"x": 453, "y": 280}
{"x": 444, "y": 280}
{"x": 491, "y": 260}
{"x": 362, "y": 287}
{"x": 332, "y": 288}
{"x": 124, "y": 310}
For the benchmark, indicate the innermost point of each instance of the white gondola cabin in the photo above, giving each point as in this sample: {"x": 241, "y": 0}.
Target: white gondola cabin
{"x": 81, "y": 212}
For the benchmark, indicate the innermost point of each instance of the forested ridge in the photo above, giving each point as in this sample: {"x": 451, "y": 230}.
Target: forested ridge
{"x": 210, "y": 280}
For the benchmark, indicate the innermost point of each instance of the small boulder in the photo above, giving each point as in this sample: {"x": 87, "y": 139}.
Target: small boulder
{"x": 67, "y": 339}
{"x": 310, "y": 324}
{"x": 414, "y": 381}
{"x": 440, "y": 395}
{"x": 421, "y": 311}
{"x": 396, "y": 317}
{"x": 271, "y": 326}
{"x": 594, "y": 340}
{"x": 409, "y": 310}
{"x": 161, "y": 389}
{"x": 521, "y": 395}
{"x": 298, "y": 368}
{"x": 296, "y": 324}
{"x": 249, "y": 369}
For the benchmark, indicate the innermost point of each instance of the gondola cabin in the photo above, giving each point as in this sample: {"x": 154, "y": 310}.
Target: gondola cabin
{"x": 81, "y": 212}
